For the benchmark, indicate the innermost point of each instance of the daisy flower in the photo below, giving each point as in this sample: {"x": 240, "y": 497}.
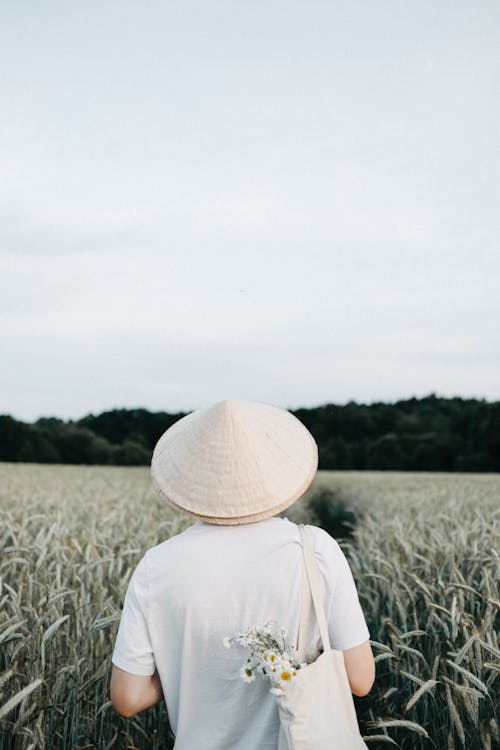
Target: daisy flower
{"x": 271, "y": 655}
{"x": 247, "y": 674}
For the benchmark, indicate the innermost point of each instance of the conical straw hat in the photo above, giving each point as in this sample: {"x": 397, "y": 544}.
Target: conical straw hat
{"x": 235, "y": 462}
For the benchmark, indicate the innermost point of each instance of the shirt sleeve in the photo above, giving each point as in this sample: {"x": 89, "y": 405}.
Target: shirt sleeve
{"x": 346, "y": 622}
{"x": 133, "y": 651}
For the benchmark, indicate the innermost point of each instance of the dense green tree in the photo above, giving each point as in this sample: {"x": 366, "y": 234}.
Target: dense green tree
{"x": 385, "y": 452}
{"x": 138, "y": 425}
{"x": 77, "y": 445}
{"x": 26, "y": 453}
{"x": 426, "y": 434}
{"x": 131, "y": 453}
{"x": 14, "y": 436}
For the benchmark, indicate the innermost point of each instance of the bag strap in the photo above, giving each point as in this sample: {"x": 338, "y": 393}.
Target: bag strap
{"x": 310, "y": 575}
{"x": 305, "y": 610}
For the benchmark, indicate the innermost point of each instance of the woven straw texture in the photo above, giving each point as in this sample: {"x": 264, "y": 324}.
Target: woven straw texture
{"x": 235, "y": 462}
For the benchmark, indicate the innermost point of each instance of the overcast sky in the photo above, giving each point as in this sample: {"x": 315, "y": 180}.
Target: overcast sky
{"x": 294, "y": 202}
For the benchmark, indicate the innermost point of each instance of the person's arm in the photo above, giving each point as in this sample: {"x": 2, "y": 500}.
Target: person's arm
{"x": 131, "y": 693}
{"x": 360, "y": 668}
{"x": 135, "y": 684}
{"x": 348, "y": 630}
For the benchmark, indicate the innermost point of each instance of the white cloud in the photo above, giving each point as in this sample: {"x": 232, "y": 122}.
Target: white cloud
{"x": 290, "y": 205}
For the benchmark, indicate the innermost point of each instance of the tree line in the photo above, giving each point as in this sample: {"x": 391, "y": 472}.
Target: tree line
{"x": 417, "y": 434}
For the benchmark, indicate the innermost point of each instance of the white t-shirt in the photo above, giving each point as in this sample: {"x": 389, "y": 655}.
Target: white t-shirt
{"x": 210, "y": 581}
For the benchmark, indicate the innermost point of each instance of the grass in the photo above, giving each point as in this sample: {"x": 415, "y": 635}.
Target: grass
{"x": 423, "y": 549}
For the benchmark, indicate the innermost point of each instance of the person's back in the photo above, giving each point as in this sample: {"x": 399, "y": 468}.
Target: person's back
{"x": 233, "y": 467}
{"x": 210, "y": 581}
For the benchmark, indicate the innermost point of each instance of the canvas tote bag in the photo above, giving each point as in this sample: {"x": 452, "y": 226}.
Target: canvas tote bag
{"x": 316, "y": 709}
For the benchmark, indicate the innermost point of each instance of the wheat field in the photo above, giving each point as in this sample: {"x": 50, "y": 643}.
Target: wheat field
{"x": 423, "y": 549}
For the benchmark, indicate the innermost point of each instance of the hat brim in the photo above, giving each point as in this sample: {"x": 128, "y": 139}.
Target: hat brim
{"x": 235, "y": 521}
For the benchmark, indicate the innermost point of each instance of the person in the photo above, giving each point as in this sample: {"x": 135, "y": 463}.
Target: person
{"x": 233, "y": 467}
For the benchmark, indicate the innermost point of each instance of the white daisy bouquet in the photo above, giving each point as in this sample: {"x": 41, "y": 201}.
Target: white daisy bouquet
{"x": 271, "y": 655}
